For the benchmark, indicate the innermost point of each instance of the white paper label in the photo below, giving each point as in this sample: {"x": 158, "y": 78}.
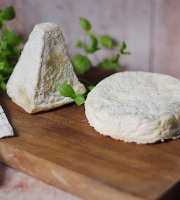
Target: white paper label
{"x": 5, "y": 127}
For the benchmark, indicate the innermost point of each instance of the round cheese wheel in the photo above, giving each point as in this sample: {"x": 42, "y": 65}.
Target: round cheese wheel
{"x": 139, "y": 107}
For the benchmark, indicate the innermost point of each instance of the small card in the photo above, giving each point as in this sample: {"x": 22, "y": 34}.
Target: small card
{"x": 5, "y": 127}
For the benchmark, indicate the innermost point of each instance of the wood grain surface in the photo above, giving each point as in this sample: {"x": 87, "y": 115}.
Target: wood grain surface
{"x": 60, "y": 148}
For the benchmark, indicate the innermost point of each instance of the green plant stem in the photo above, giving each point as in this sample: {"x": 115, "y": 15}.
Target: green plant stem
{"x": 5, "y": 78}
{"x": 92, "y": 33}
{"x": 85, "y": 36}
{"x": 85, "y": 81}
{"x": 23, "y": 25}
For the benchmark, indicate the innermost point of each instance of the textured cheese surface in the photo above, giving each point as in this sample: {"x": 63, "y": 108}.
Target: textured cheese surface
{"x": 5, "y": 127}
{"x": 43, "y": 65}
{"x": 136, "y": 107}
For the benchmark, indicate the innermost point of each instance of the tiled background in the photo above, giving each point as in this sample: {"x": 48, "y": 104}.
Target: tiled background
{"x": 15, "y": 185}
{"x": 150, "y": 28}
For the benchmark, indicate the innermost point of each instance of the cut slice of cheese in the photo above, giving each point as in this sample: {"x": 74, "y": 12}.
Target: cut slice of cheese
{"x": 5, "y": 127}
{"x": 43, "y": 65}
{"x": 136, "y": 107}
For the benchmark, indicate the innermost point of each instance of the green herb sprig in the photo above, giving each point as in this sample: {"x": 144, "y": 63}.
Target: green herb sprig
{"x": 113, "y": 63}
{"x": 82, "y": 63}
{"x": 9, "y": 51}
{"x": 67, "y": 91}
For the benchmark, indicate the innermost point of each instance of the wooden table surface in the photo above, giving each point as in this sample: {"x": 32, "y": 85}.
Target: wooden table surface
{"x": 60, "y": 148}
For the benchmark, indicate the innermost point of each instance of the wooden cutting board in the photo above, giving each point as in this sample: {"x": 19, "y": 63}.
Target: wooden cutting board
{"x": 60, "y": 148}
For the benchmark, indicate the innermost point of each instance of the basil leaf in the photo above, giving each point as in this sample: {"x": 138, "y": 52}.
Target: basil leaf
{"x": 123, "y": 46}
{"x": 90, "y": 87}
{"x": 109, "y": 64}
{"x": 116, "y": 58}
{"x": 8, "y": 13}
{"x": 127, "y": 53}
{"x": 79, "y": 100}
{"x": 66, "y": 90}
{"x": 1, "y": 24}
{"x": 86, "y": 26}
{"x": 79, "y": 44}
{"x": 94, "y": 43}
{"x": 81, "y": 63}
{"x": 3, "y": 85}
{"x": 1, "y": 77}
{"x": 11, "y": 38}
{"x": 3, "y": 64}
{"x": 106, "y": 41}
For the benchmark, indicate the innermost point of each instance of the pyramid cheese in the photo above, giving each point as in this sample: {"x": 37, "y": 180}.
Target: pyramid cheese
{"x": 43, "y": 65}
{"x": 139, "y": 107}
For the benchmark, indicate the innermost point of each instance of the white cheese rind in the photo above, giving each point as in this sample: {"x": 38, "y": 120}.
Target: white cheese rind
{"x": 5, "y": 127}
{"x": 136, "y": 107}
{"x": 43, "y": 65}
